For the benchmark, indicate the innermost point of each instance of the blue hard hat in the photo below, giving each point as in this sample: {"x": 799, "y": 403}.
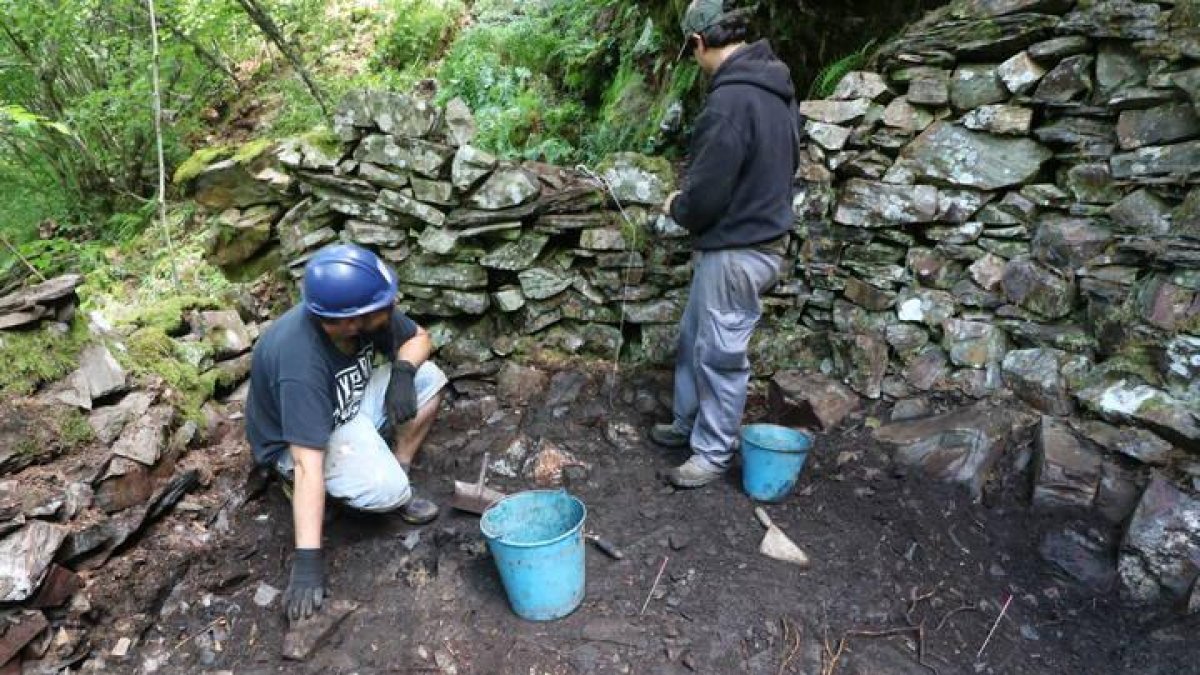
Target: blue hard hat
{"x": 346, "y": 280}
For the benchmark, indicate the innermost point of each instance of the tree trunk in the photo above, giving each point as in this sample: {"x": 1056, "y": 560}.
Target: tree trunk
{"x": 267, "y": 25}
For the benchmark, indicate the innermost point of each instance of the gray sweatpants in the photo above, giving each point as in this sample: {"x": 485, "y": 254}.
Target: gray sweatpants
{"x": 711, "y": 368}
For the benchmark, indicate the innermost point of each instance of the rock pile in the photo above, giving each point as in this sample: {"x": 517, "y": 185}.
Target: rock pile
{"x": 51, "y": 299}
{"x": 86, "y": 466}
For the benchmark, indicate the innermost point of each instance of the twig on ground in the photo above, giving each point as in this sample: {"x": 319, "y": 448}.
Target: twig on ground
{"x": 964, "y": 608}
{"x": 996, "y": 625}
{"x": 215, "y": 622}
{"x": 950, "y": 532}
{"x": 792, "y": 649}
{"x": 655, "y": 586}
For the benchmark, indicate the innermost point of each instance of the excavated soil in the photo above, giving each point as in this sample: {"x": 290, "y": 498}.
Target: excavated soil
{"x": 907, "y": 576}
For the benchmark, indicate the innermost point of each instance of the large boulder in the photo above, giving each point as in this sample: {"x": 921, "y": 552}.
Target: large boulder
{"x": 810, "y": 400}
{"x": 1160, "y": 555}
{"x": 1035, "y": 375}
{"x": 506, "y": 188}
{"x": 958, "y": 447}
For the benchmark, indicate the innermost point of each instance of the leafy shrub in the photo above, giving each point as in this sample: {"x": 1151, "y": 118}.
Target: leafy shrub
{"x": 829, "y": 76}
{"x": 418, "y": 31}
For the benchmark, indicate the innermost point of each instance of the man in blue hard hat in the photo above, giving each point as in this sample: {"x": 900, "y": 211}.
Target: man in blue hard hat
{"x": 736, "y": 203}
{"x": 319, "y": 407}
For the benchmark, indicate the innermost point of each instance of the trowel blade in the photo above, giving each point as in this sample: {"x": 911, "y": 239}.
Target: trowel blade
{"x": 775, "y": 544}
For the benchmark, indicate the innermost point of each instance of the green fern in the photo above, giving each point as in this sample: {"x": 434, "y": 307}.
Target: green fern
{"x": 829, "y": 76}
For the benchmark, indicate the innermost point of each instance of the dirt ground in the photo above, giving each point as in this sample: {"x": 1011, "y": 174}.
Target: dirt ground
{"x": 904, "y": 572}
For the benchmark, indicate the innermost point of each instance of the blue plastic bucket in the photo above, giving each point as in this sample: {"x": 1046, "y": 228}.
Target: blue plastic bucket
{"x": 772, "y": 457}
{"x": 536, "y": 539}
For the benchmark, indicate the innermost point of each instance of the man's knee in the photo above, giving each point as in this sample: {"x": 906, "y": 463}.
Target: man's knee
{"x": 381, "y": 491}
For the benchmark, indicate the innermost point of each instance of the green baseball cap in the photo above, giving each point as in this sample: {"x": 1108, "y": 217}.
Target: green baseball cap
{"x": 701, "y": 15}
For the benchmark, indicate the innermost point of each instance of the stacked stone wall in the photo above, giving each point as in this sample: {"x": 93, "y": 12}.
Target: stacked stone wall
{"x": 1011, "y": 201}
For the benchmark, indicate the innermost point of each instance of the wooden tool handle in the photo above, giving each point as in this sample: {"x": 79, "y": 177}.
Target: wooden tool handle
{"x": 762, "y": 517}
{"x": 605, "y": 546}
{"x": 483, "y": 469}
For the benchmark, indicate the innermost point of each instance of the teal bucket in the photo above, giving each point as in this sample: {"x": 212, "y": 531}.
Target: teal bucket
{"x": 772, "y": 457}
{"x": 536, "y": 539}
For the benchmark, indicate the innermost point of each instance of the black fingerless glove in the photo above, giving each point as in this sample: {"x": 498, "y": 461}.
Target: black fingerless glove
{"x": 306, "y": 588}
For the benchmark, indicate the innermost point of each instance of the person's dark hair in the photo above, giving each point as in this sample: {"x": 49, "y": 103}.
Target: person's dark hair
{"x": 732, "y": 29}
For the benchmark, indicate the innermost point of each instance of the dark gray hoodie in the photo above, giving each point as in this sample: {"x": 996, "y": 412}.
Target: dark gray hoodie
{"x": 738, "y": 187}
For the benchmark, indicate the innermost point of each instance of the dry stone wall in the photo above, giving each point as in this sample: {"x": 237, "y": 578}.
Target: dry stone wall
{"x": 1009, "y": 202}
{"x": 495, "y": 256}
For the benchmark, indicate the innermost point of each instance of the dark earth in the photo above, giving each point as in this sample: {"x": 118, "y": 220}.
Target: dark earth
{"x": 907, "y": 575}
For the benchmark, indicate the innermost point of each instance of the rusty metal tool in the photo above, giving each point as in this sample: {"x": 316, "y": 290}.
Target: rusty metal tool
{"x": 476, "y": 497}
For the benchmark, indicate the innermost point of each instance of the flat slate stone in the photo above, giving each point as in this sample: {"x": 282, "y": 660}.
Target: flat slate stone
{"x": 873, "y": 204}
{"x": 1066, "y": 472}
{"x": 860, "y": 84}
{"x": 1056, "y": 49}
{"x": 506, "y": 188}
{"x": 1157, "y": 126}
{"x": 947, "y": 152}
{"x": 810, "y": 399}
{"x": 972, "y": 86}
{"x": 144, "y": 440}
{"x": 1020, "y": 73}
{"x": 25, "y": 557}
{"x": 1000, "y": 119}
{"x": 835, "y": 112}
{"x": 1068, "y": 81}
{"x": 1133, "y": 403}
{"x": 515, "y": 255}
{"x": 1181, "y": 160}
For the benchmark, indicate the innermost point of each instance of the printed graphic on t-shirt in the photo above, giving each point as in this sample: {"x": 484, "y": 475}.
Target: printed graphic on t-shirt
{"x": 350, "y": 384}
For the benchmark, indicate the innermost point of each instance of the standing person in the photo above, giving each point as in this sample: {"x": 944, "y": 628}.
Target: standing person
{"x": 736, "y": 202}
{"x": 319, "y": 408}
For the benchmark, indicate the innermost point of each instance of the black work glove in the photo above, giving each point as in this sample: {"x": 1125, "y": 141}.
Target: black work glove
{"x": 306, "y": 588}
{"x": 400, "y": 402}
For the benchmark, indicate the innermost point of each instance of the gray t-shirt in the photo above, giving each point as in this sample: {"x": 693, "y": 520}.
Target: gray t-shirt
{"x": 302, "y": 387}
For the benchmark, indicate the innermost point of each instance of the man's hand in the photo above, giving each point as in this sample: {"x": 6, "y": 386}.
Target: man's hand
{"x": 306, "y": 588}
{"x": 400, "y": 402}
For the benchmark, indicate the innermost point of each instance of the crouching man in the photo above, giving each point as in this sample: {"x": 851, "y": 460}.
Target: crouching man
{"x": 319, "y": 408}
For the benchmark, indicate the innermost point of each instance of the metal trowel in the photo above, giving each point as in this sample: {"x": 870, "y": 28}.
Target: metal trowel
{"x": 775, "y": 543}
{"x": 476, "y": 497}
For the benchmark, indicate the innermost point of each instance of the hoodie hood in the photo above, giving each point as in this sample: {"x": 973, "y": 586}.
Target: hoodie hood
{"x": 756, "y": 64}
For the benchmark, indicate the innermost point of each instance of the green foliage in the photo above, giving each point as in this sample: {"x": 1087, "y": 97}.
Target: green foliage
{"x": 34, "y": 357}
{"x": 199, "y": 161}
{"x": 540, "y": 77}
{"x": 418, "y": 31}
{"x": 74, "y": 429}
{"x": 151, "y": 352}
{"x": 829, "y": 76}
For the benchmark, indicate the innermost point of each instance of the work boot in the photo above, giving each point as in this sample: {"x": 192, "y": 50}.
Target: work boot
{"x": 419, "y": 511}
{"x": 695, "y": 472}
{"x": 668, "y": 436}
